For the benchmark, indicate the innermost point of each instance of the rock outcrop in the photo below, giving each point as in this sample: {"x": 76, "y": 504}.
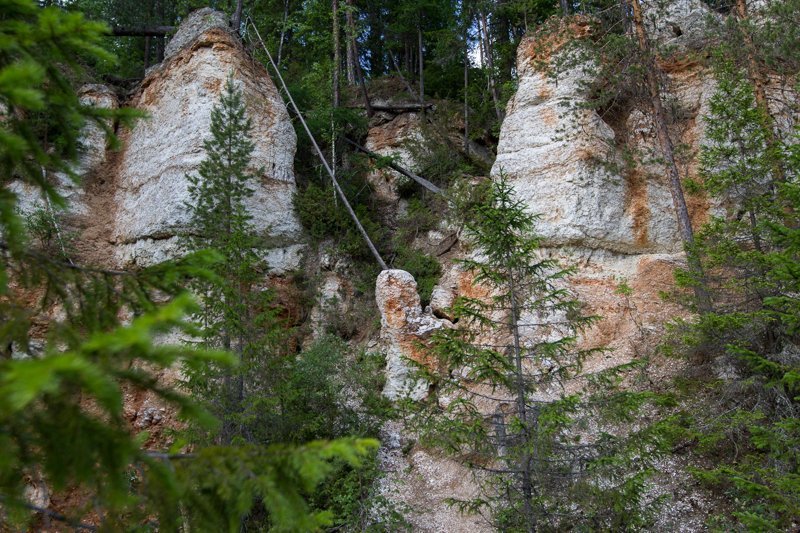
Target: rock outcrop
{"x": 565, "y": 165}
{"x": 150, "y": 174}
{"x": 610, "y": 216}
{"x": 93, "y": 155}
{"x": 678, "y": 25}
{"x": 391, "y": 139}
{"x": 419, "y": 479}
{"x": 404, "y": 329}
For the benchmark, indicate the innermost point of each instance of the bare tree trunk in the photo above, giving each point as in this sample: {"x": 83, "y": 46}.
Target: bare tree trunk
{"x": 350, "y": 40}
{"x": 421, "y": 64}
{"x": 466, "y": 88}
{"x": 410, "y": 90}
{"x": 336, "y": 55}
{"x": 484, "y": 25}
{"x": 407, "y": 173}
{"x": 283, "y": 29}
{"x": 668, "y": 152}
{"x": 522, "y": 410}
{"x": 759, "y": 83}
{"x": 564, "y": 7}
{"x": 407, "y": 56}
{"x": 361, "y": 81}
{"x": 237, "y": 16}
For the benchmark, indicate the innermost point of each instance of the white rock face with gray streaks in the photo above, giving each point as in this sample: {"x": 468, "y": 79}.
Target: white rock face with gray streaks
{"x": 681, "y": 24}
{"x": 93, "y": 153}
{"x": 178, "y": 96}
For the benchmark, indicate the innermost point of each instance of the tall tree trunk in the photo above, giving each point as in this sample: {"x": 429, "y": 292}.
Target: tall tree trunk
{"x": 407, "y": 56}
{"x": 361, "y": 81}
{"x": 503, "y": 40}
{"x": 668, "y": 152}
{"x": 283, "y": 30}
{"x": 350, "y": 40}
{"x": 466, "y": 88}
{"x": 421, "y": 64}
{"x": 564, "y": 7}
{"x": 484, "y": 25}
{"x": 336, "y": 55}
{"x": 410, "y": 90}
{"x": 522, "y": 409}
{"x": 759, "y": 82}
{"x": 237, "y": 16}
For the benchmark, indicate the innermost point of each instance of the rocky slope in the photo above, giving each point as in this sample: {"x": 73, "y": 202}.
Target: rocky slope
{"x": 131, "y": 205}
{"x": 178, "y": 95}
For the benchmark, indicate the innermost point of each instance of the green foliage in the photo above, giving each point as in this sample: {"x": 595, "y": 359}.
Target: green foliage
{"x": 237, "y": 311}
{"x": 748, "y": 422}
{"x": 229, "y": 480}
{"x": 77, "y": 339}
{"x": 434, "y": 153}
{"x": 274, "y": 398}
{"x": 500, "y": 404}
{"x": 322, "y": 214}
{"x": 132, "y": 14}
{"x": 40, "y": 51}
{"x": 47, "y": 233}
{"x": 425, "y": 269}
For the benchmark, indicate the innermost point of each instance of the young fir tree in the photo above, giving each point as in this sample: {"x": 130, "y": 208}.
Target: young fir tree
{"x": 274, "y": 396}
{"x": 508, "y": 398}
{"x": 237, "y": 310}
{"x": 749, "y": 422}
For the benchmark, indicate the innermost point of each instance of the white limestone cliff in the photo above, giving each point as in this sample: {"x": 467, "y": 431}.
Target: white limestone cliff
{"x": 151, "y": 186}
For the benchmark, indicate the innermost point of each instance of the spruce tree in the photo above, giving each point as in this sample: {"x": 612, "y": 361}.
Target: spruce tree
{"x": 749, "y": 418}
{"x": 238, "y": 312}
{"x": 508, "y": 398}
{"x": 264, "y": 401}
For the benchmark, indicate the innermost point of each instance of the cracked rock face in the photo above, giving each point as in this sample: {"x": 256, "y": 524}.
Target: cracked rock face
{"x": 178, "y": 96}
{"x": 681, "y": 24}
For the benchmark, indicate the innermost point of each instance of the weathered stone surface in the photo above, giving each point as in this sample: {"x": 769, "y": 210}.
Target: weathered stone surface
{"x": 682, "y": 24}
{"x": 93, "y": 138}
{"x": 390, "y": 139}
{"x": 92, "y": 143}
{"x": 565, "y": 166}
{"x": 197, "y": 23}
{"x": 404, "y": 329}
{"x": 422, "y": 481}
{"x": 152, "y": 189}
{"x": 334, "y": 304}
